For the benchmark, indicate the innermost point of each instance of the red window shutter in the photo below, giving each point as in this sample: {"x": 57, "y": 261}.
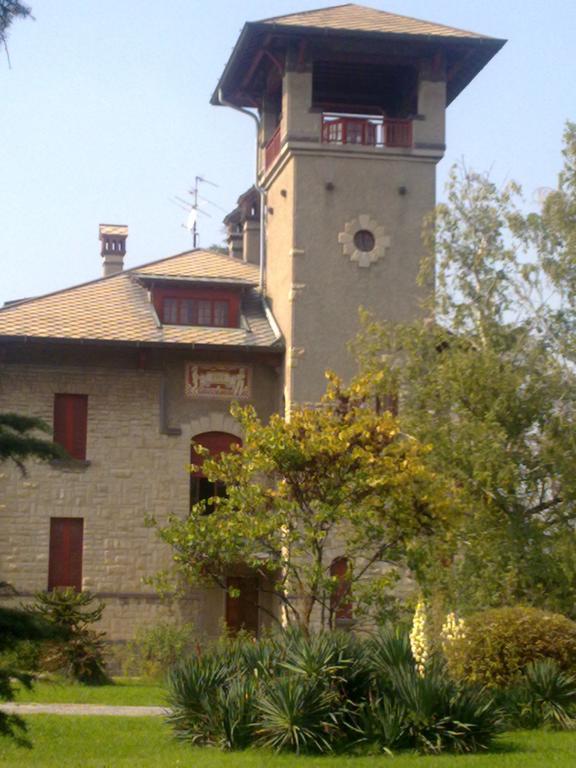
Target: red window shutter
{"x": 65, "y": 553}
{"x": 71, "y": 423}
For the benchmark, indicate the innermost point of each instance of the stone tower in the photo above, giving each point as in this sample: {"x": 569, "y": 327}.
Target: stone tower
{"x": 351, "y": 104}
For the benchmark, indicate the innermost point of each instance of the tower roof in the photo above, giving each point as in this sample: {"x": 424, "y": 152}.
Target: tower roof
{"x": 466, "y": 52}
{"x": 359, "y": 18}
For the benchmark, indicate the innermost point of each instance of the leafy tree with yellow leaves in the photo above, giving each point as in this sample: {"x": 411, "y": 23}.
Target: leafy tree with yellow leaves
{"x": 336, "y": 482}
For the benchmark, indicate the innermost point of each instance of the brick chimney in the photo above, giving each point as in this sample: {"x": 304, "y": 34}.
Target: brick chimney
{"x": 113, "y": 248}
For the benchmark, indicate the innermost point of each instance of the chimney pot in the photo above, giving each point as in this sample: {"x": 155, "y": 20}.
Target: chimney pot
{"x": 113, "y": 247}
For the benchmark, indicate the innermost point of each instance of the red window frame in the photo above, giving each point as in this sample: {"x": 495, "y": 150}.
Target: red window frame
{"x": 65, "y": 553}
{"x": 191, "y": 304}
{"x": 71, "y": 423}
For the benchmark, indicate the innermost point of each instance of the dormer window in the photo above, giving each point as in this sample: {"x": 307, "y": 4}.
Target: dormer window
{"x": 200, "y": 305}
{"x": 178, "y": 310}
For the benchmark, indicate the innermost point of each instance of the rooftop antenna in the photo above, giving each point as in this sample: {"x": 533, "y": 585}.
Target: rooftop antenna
{"x": 193, "y": 208}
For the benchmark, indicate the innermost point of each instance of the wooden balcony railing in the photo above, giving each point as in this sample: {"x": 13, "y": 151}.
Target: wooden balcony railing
{"x": 366, "y": 131}
{"x": 272, "y": 149}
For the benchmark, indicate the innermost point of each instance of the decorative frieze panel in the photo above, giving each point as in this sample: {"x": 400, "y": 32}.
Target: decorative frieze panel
{"x": 218, "y": 381}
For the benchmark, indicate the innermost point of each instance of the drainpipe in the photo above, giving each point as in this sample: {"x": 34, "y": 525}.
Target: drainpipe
{"x": 261, "y": 191}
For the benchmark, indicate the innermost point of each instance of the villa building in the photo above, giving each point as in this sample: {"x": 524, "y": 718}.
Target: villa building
{"x": 133, "y": 368}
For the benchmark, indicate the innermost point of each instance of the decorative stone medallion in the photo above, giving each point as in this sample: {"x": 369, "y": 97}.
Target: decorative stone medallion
{"x": 364, "y": 240}
{"x": 218, "y": 381}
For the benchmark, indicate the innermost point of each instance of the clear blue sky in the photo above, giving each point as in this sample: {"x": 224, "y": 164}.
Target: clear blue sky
{"x": 105, "y": 117}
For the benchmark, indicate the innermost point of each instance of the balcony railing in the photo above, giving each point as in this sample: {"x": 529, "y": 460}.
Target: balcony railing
{"x": 366, "y": 131}
{"x": 272, "y": 149}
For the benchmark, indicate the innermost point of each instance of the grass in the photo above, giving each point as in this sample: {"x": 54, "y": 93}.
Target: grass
{"x": 124, "y": 692}
{"x": 118, "y": 742}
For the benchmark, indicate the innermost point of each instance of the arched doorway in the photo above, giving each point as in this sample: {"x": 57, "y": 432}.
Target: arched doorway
{"x": 202, "y": 489}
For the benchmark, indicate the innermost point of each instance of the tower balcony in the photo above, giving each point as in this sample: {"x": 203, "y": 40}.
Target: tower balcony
{"x": 369, "y": 131}
{"x": 359, "y": 130}
{"x": 273, "y": 147}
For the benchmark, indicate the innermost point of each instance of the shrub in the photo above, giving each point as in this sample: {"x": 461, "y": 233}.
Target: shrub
{"x": 323, "y": 692}
{"x": 194, "y": 701}
{"x": 24, "y": 656}
{"x": 297, "y": 713}
{"x": 80, "y": 654}
{"x": 544, "y": 696}
{"x": 443, "y": 715}
{"x": 155, "y": 649}
{"x": 499, "y": 644}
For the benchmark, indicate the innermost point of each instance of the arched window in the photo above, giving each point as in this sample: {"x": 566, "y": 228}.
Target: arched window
{"x": 340, "y": 602}
{"x": 216, "y": 442}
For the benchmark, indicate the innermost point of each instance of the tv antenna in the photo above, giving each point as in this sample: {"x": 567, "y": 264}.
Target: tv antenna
{"x": 193, "y": 208}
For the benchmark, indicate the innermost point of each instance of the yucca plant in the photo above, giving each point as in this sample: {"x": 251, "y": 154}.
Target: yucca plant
{"x": 381, "y": 721}
{"x": 235, "y": 711}
{"x": 296, "y": 714}
{"x": 250, "y": 657}
{"x": 545, "y": 696}
{"x": 193, "y": 690}
{"x": 314, "y": 656}
{"x": 443, "y": 715}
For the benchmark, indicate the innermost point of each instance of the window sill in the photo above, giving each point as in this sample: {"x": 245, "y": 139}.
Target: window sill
{"x": 70, "y": 465}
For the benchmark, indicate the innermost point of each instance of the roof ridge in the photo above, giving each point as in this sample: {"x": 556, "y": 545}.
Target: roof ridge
{"x": 310, "y": 10}
{"x": 20, "y": 303}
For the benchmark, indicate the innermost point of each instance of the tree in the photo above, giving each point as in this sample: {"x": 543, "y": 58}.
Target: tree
{"x": 10, "y": 10}
{"x": 19, "y": 443}
{"x": 340, "y": 481}
{"x": 489, "y": 381}
{"x": 15, "y": 626}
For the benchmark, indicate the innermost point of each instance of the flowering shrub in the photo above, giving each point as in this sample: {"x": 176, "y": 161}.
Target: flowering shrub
{"x": 419, "y": 637}
{"x": 453, "y": 629}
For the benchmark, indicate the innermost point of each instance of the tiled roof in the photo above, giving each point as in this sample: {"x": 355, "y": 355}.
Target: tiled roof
{"x": 359, "y": 18}
{"x": 202, "y": 264}
{"x": 117, "y": 308}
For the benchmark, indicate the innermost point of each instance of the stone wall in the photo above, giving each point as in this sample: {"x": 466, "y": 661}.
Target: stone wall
{"x": 133, "y": 472}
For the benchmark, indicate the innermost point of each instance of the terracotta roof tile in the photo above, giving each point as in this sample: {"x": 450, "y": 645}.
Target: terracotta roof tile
{"x": 359, "y": 18}
{"x": 117, "y": 308}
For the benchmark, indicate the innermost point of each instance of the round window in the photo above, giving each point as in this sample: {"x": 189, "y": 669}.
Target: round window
{"x": 364, "y": 240}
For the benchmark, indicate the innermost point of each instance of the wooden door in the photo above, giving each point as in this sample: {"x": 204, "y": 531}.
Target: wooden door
{"x": 242, "y": 611}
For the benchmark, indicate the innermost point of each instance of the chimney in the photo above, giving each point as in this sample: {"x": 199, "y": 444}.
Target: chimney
{"x": 235, "y": 241}
{"x": 113, "y": 248}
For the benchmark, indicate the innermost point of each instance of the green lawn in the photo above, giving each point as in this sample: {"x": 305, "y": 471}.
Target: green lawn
{"x": 124, "y": 692}
{"x": 117, "y": 742}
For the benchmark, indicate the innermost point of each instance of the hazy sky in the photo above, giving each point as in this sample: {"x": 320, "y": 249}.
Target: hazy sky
{"x": 105, "y": 117}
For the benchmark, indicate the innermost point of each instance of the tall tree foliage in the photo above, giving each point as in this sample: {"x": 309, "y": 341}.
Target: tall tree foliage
{"x": 489, "y": 381}
{"x": 18, "y": 443}
{"x": 19, "y": 440}
{"x": 9, "y": 11}
{"x": 340, "y": 480}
